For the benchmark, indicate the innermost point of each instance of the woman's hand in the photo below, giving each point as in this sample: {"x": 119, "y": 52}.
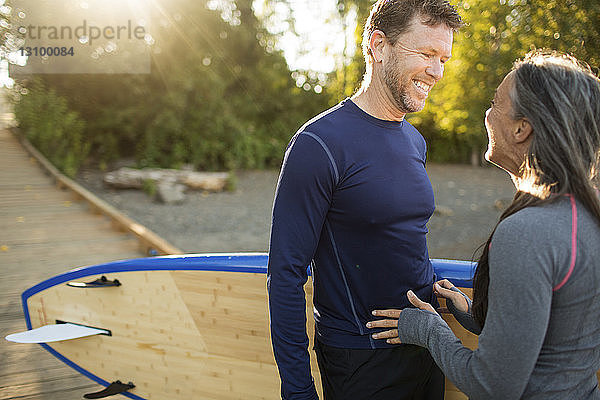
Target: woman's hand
{"x": 391, "y": 320}
{"x": 443, "y": 289}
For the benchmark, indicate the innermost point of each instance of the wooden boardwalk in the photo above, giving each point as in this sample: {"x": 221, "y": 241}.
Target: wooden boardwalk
{"x": 43, "y": 231}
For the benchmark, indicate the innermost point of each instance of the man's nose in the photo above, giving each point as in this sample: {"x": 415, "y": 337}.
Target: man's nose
{"x": 436, "y": 69}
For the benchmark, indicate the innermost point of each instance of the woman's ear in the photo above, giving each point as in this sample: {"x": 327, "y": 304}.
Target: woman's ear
{"x": 523, "y": 131}
{"x": 376, "y": 44}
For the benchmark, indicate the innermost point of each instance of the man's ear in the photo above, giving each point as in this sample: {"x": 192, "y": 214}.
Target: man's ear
{"x": 377, "y": 43}
{"x": 523, "y": 131}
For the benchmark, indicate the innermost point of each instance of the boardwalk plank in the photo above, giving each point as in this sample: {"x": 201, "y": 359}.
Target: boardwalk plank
{"x": 44, "y": 232}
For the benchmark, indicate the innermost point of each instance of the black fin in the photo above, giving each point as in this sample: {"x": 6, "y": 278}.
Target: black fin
{"x": 100, "y": 282}
{"x": 112, "y": 389}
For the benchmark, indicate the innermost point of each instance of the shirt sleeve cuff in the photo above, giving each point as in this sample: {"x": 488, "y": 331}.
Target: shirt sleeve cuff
{"x": 414, "y": 325}
{"x": 464, "y": 318}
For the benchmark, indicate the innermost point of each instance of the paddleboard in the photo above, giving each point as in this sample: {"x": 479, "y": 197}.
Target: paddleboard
{"x": 176, "y": 327}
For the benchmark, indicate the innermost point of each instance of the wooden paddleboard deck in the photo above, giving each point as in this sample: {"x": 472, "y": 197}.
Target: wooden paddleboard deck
{"x": 181, "y": 327}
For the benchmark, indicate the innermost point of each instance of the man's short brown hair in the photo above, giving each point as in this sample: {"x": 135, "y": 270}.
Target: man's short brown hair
{"x": 393, "y": 17}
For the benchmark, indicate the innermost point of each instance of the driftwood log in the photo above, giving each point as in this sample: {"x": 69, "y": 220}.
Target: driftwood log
{"x": 129, "y": 178}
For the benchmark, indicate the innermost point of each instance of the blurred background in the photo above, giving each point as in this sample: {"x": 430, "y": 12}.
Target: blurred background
{"x": 232, "y": 80}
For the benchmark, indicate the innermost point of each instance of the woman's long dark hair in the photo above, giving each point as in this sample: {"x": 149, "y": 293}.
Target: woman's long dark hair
{"x": 560, "y": 97}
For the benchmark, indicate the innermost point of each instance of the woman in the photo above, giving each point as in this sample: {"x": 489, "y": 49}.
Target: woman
{"x": 537, "y": 284}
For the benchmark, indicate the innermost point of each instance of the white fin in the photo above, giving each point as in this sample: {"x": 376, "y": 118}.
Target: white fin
{"x": 54, "y": 333}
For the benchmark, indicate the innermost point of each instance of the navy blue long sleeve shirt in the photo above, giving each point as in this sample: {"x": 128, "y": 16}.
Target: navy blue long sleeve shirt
{"x": 353, "y": 200}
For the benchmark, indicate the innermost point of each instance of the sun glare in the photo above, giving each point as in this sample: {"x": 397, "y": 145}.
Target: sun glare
{"x": 320, "y": 40}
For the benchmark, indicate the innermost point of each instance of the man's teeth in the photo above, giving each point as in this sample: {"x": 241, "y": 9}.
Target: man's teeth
{"x": 423, "y": 86}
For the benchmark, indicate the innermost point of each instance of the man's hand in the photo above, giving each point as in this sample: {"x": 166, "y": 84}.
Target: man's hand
{"x": 392, "y": 316}
{"x": 391, "y": 320}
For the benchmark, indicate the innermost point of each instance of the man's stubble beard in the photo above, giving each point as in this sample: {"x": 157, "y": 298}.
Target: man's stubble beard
{"x": 399, "y": 91}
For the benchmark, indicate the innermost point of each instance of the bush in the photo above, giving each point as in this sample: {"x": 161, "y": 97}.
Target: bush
{"x": 57, "y": 132}
{"x": 218, "y": 100}
{"x": 149, "y": 187}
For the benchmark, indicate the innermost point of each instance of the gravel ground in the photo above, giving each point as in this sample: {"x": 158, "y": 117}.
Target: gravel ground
{"x": 240, "y": 220}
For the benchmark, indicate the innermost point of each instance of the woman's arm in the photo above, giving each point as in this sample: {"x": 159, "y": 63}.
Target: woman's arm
{"x": 458, "y": 303}
{"x": 520, "y": 295}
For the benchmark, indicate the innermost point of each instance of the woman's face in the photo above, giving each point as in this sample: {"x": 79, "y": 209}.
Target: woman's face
{"x": 500, "y": 125}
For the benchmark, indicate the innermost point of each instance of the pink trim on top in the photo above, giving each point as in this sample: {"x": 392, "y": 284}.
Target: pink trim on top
{"x": 573, "y": 243}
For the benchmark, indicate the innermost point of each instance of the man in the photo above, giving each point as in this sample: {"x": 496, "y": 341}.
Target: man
{"x": 353, "y": 200}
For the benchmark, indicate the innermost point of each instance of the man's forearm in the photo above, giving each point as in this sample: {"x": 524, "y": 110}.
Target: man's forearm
{"x": 290, "y": 341}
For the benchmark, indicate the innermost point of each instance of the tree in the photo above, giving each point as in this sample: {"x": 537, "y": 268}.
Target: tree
{"x": 497, "y": 33}
{"x": 217, "y": 97}
{"x": 12, "y": 38}
{"x": 347, "y": 79}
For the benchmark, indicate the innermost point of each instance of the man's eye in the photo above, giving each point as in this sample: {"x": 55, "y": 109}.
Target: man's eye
{"x": 492, "y": 103}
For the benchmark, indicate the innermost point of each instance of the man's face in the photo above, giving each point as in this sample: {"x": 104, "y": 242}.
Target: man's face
{"x": 415, "y": 63}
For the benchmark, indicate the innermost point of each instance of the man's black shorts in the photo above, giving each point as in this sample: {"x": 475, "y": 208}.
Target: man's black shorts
{"x": 405, "y": 372}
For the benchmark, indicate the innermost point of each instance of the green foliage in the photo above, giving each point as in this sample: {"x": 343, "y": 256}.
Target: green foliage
{"x": 232, "y": 182}
{"x": 52, "y": 127}
{"x": 149, "y": 187}
{"x": 346, "y": 80}
{"x": 9, "y": 31}
{"x": 497, "y": 33}
{"x": 220, "y": 97}
{"x": 216, "y": 98}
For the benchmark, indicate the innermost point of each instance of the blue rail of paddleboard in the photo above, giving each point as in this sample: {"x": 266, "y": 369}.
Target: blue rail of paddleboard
{"x": 458, "y": 272}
